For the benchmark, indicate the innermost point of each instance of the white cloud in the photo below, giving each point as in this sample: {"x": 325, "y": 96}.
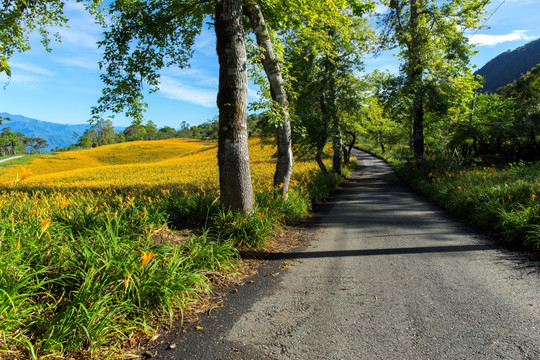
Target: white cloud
{"x": 87, "y": 63}
{"x": 29, "y": 68}
{"x": 492, "y": 40}
{"x": 175, "y": 90}
{"x": 82, "y": 32}
{"x": 194, "y": 74}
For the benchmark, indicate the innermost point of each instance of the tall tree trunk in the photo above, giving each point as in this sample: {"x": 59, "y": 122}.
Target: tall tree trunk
{"x": 336, "y": 131}
{"x": 415, "y": 80}
{"x": 326, "y": 120}
{"x": 233, "y": 157}
{"x": 418, "y": 125}
{"x": 271, "y": 66}
{"x": 338, "y": 148}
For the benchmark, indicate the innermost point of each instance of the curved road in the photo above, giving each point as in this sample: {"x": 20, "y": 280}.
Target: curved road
{"x": 389, "y": 276}
{"x": 10, "y": 158}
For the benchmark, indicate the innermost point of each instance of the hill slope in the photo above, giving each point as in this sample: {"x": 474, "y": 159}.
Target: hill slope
{"x": 142, "y": 163}
{"x": 509, "y": 66}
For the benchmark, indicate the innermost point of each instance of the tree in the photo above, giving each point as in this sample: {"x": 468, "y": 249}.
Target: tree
{"x": 166, "y": 132}
{"x": 19, "y": 18}
{"x": 85, "y": 142}
{"x": 284, "y": 165}
{"x": 38, "y": 144}
{"x": 150, "y": 35}
{"x": 434, "y": 49}
{"x": 323, "y": 58}
{"x": 233, "y": 157}
{"x": 151, "y": 130}
{"x": 135, "y": 132}
{"x": 11, "y": 143}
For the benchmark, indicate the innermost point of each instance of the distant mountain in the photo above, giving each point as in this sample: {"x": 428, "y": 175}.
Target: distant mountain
{"x": 509, "y": 66}
{"x": 60, "y": 135}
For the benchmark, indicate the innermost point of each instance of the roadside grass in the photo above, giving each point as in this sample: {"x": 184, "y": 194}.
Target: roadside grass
{"x": 90, "y": 272}
{"x": 20, "y": 161}
{"x": 504, "y": 201}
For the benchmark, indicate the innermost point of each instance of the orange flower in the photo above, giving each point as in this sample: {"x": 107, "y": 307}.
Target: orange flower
{"x": 533, "y": 196}
{"x": 45, "y": 224}
{"x": 64, "y": 205}
{"x": 261, "y": 215}
{"x": 146, "y": 257}
{"x": 25, "y": 173}
{"x": 281, "y": 186}
{"x": 459, "y": 188}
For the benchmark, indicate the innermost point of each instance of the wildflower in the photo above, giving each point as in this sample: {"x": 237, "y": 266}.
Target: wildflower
{"x": 45, "y": 224}
{"x": 281, "y": 186}
{"x": 25, "y": 173}
{"x": 533, "y": 196}
{"x": 146, "y": 257}
{"x": 459, "y": 188}
{"x": 64, "y": 205}
{"x": 261, "y": 215}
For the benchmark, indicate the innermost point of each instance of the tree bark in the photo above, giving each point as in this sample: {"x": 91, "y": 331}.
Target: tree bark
{"x": 271, "y": 66}
{"x": 347, "y": 151}
{"x": 332, "y": 107}
{"x": 415, "y": 80}
{"x": 326, "y": 120}
{"x": 233, "y": 157}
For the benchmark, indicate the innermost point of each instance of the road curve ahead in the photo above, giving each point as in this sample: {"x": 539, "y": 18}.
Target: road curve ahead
{"x": 390, "y": 276}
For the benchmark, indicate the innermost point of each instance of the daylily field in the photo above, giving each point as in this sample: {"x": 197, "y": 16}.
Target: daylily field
{"x": 92, "y": 259}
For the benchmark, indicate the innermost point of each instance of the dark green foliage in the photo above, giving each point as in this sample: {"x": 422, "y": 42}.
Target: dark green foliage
{"x": 504, "y": 126}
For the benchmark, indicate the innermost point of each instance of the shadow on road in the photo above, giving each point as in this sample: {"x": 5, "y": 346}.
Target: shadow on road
{"x": 365, "y": 252}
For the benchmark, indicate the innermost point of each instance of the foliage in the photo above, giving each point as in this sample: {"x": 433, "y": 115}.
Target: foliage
{"x": 16, "y": 143}
{"x": 434, "y": 51}
{"x": 19, "y": 19}
{"x": 323, "y": 59}
{"x": 503, "y": 127}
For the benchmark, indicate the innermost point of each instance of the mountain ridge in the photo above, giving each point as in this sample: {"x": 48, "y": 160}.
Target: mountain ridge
{"x": 509, "y": 66}
{"x": 56, "y": 135}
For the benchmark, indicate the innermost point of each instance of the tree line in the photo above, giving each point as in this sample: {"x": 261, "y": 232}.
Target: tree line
{"x": 16, "y": 143}
{"x": 307, "y": 58}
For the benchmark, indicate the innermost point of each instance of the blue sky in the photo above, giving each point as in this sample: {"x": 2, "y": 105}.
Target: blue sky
{"x": 61, "y": 86}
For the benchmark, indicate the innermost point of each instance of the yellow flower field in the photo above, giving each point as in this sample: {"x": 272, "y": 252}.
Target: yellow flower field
{"x": 175, "y": 161}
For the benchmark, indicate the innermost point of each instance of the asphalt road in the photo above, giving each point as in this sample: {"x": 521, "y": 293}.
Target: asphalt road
{"x": 389, "y": 276}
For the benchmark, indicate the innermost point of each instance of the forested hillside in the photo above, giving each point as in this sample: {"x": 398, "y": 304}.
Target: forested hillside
{"x": 509, "y": 66}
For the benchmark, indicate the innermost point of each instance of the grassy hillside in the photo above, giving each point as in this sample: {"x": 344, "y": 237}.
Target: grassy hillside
{"x": 175, "y": 161}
